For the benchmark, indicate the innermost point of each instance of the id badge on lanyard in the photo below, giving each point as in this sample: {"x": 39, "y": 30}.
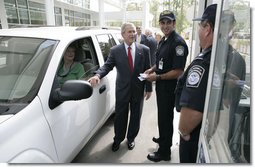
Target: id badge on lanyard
{"x": 160, "y": 64}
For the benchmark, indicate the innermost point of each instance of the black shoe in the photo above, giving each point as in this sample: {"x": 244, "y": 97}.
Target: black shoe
{"x": 156, "y": 140}
{"x": 131, "y": 145}
{"x": 156, "y": 157}
{"x": 115, "y": 146}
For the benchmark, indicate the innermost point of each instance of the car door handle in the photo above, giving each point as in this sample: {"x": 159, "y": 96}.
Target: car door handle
{"x": 102, "y": 89}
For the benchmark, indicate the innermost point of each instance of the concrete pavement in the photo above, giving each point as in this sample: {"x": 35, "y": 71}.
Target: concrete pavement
{"x": 98, "y": 150}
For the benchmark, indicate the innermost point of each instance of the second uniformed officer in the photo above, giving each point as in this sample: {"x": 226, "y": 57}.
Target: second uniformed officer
{"x": 191, "y": 89}
{"x": 170, "y": 62}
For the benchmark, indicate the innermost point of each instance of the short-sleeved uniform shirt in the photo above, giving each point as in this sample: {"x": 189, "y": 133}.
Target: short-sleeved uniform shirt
{"x": 171, "y": 54}
{"x": 194, "y": 81}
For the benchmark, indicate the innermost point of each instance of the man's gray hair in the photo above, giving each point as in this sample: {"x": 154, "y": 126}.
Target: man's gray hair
{"x": 148, "y": 31}
{"x": 124, "y": 25}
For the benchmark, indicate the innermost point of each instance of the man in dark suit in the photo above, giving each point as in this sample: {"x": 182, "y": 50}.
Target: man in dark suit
{"x": 140, "y": 38}
{"x": 152, "y": 44}
{"x": 129, "y": 88}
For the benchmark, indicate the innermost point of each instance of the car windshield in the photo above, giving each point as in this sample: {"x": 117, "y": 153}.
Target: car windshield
{"x": 22, "y": 66}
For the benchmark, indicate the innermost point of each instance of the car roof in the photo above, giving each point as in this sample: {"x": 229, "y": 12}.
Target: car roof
{"x": 56, "y": 33}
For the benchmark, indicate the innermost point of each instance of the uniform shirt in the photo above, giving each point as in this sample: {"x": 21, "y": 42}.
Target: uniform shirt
{"x": 171, "y": 54}
{"x": 195, "y": 82}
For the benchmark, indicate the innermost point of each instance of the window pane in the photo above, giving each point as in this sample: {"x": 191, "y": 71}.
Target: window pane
{"x": 12, "y": 15}
{"x": 22, "y": 3}
{"x": 105, "y": 44}
{"x": 36, "y": 6}
{"x": 9, "y": 3}
{"x": 38, "y": 17}
{"x": 23, "y": 14}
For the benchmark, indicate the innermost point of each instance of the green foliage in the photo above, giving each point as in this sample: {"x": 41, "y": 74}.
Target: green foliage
{"x": 179, "y": 7}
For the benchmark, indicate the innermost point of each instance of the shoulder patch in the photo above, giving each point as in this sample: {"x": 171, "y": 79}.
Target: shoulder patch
{"x": 179, "y": 50}
{"x": 195, "y": 75}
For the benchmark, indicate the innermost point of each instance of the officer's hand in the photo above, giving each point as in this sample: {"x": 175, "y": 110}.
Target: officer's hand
{"x": 148, "y": 71}
{"x": 151, "y": 77}
{"x": 226, "y": 102}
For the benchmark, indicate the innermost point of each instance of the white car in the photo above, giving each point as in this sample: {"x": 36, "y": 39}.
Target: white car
{"x": 41, "y": 122}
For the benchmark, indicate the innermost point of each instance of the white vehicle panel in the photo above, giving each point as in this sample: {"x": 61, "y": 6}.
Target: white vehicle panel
{"x": 27, "y": 130}
{"x": 40, "y": 134}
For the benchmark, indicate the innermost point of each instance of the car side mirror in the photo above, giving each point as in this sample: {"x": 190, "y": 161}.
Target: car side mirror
{"x": 70, "y": 90}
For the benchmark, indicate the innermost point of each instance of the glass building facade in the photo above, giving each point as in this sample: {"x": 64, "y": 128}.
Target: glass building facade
{"x": 33, "y": 13}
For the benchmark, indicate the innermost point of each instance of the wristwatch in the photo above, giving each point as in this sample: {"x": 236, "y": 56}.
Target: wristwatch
{"x": 158, "y": 77}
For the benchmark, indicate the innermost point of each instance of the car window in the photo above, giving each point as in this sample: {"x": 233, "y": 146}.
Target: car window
{"x": 105, "y": 41}
{"x": 21, "y": 63}
{"x": 90, "y": 62}
{"x": 85, "y": 62}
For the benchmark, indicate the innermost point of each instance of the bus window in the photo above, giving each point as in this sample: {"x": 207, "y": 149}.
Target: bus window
{"x": 227, "y": 130}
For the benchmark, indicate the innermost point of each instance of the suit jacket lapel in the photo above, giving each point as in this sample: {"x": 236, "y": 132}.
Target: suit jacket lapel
{"x": 124, "y": 53}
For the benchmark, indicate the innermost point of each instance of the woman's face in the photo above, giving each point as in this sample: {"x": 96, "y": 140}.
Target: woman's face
{"x": 69, "y": 54}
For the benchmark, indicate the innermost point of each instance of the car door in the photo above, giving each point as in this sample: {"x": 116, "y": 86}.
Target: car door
{"x": 72, "y": 122}
{"x": 106, "y": 41}
{"x": 98, "y": 101}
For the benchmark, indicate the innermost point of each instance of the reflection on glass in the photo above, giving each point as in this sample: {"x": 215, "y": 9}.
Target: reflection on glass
{"x": 22, "y": 67}
{"x": 228, "y": 120}
{"x": 234, "y": 83}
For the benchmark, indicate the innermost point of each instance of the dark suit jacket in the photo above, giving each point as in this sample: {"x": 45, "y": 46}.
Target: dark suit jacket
{"x": 144, "y": 39}
{"x": 152, "y": 44}
{"x": 127, "y": 83}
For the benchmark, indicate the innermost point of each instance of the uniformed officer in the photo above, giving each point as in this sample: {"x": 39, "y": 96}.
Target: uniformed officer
{"x": 191, "y": 89}
{"x": 170, "y": 62}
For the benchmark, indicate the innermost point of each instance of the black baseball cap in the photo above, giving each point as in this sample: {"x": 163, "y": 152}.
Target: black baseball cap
{"x": 167, "y": 14}
{"x": 209, "y": 14}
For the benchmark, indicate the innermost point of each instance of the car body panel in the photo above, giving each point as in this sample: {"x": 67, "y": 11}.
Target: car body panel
{"x": 56, "y": 135}
{"x": 27, "y": 131}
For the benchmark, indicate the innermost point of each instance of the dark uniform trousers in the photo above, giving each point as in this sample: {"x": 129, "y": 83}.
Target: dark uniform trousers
{"x": 188, "y": 149}
{"x": 165, "y": 96}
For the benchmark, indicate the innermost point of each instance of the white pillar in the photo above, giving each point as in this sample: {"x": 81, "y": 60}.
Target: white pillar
{"x": 3, "y": 16}
{"x": 146, "y": 14}
{"x": 101, "y": 13}
{"x": 63, "y": 16}
{"x": 124, "y": 9}
{"x": 50, "y": 17}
